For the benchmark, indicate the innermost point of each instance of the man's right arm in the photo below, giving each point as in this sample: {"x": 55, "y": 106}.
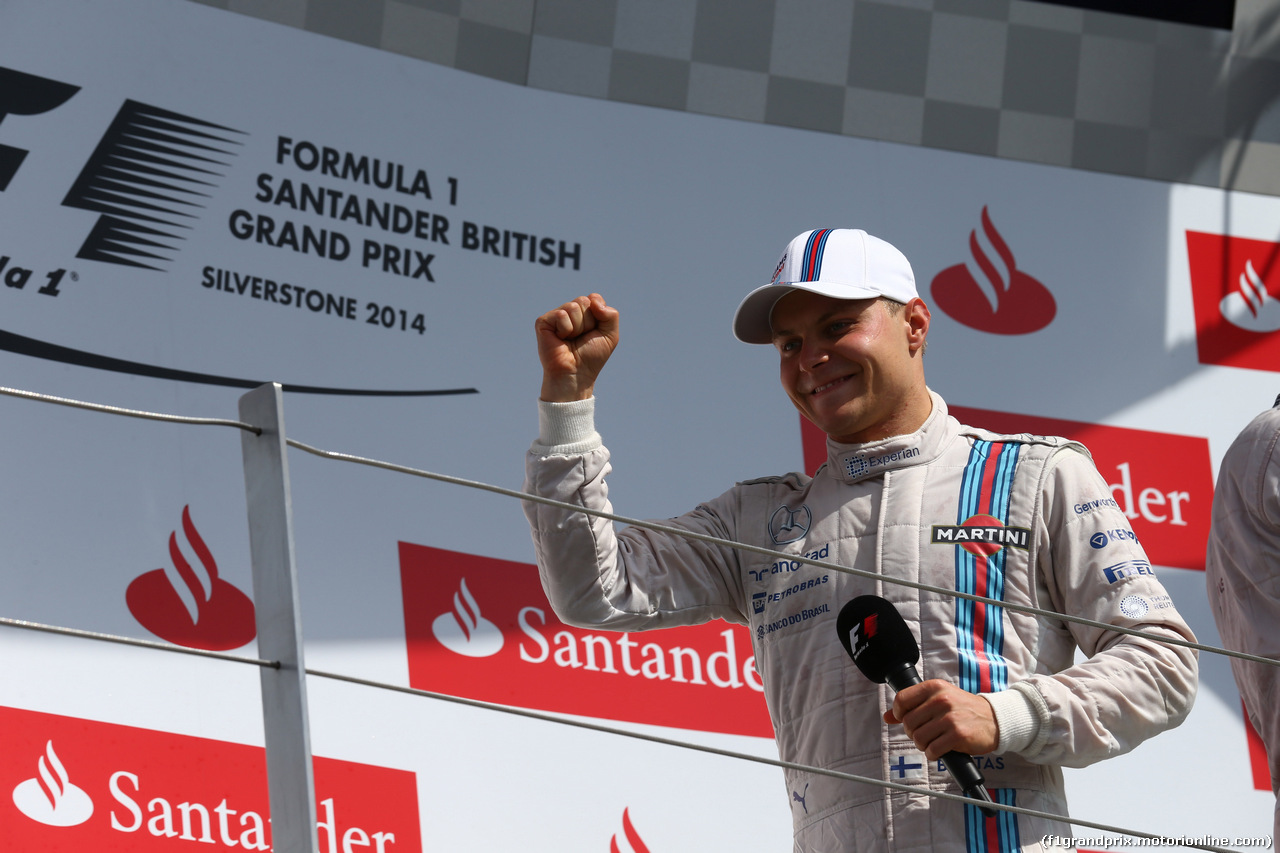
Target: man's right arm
{"x": 593, "y": 576}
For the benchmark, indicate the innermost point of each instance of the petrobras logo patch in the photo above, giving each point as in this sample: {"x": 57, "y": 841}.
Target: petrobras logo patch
{"x": 1127, "y": 569}
{"x": 482, "y": 628}
{"x": 857, "y": 466}
{"x": 82, "y": 785}
{"x": 796, "y": 588}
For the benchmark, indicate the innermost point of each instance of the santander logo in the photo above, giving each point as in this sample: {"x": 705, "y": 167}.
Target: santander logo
{"x": 482, "y": 628}
{"x": 1002, "y": 299}
{"x": 636, "y": 843}
{"x": 1234, "y": 282}
{"x": 187, "y": 603}
{"x": 1250, "y": 306}
{"x": 149, "y": 791}
{"x": 464, "y": 630}
{"x": 50, "y": 798}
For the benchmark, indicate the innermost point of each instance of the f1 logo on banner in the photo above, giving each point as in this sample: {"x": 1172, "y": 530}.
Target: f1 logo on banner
{"x": 26, "y": 95}
{"x": 482, "y": 628}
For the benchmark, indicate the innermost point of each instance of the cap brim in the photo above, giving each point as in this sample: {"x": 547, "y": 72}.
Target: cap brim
{"x": 751, "y": 321}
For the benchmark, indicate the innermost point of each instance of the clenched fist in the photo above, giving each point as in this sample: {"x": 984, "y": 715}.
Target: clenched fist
{"x": 574, "y": 342}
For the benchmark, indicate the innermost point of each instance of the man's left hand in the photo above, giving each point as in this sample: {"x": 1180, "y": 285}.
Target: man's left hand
{"x": 940, "y": 717}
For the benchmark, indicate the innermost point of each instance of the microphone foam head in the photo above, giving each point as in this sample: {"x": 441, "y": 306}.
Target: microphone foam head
{"x": 875, "y": 635}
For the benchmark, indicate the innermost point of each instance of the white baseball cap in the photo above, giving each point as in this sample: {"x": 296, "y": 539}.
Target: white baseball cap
{"x": 842, "y": 263}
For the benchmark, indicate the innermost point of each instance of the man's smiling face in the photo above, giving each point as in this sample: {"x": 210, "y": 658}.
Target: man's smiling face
{"x": 853, "y": 366}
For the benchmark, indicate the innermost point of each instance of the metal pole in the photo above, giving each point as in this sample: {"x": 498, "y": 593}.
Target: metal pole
{"x": 275, "y": 599}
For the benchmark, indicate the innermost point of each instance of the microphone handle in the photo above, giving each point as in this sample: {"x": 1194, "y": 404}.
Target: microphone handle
{"x": 961, "y": 766}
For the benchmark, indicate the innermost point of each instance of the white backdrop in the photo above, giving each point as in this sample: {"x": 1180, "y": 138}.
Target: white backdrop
{"x": 674, "y": 217}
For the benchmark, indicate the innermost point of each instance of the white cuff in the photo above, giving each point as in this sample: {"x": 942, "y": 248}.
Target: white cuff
{"x": 1018, "y": 719}
{"x": 566, "y": 428}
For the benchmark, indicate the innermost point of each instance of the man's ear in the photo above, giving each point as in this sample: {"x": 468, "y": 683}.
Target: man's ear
{"x": 917, "y": 317}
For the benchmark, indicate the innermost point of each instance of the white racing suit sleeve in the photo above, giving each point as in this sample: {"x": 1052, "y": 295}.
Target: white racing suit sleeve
{"x": 1130, "y": 688}
{"x": 632, "y": 580}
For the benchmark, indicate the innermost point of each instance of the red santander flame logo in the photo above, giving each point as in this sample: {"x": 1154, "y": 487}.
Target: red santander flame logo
{"x": 1002, "y": 302}
{"x": 1250, "y": 306}
{"x": 49, "y": 797}
{"x": 191, "y": 606}
{"x": 1234, "y": 287}
{"x": 633, "y": 837}
{"x": 482, "y": 628}
{"x": 148, "y": 791}
{"x": 464, "y": 630}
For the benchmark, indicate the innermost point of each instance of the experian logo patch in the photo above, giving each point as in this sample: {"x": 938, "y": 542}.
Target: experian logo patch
{"x": 856, "y": 466}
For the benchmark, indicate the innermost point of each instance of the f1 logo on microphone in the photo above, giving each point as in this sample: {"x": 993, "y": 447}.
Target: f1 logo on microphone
{"x": 862, "y": 634}
{"x": 26, "y": 95}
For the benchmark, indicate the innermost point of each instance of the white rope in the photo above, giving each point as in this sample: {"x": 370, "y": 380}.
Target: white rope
{"x": 663, "y": 528}
{"x": 131, "y": 413}
{"x": 131, "y": 641}
{"x": 595, "y": 727}
{"x": 755, "y": 549}
{"x": 745, "y": 756}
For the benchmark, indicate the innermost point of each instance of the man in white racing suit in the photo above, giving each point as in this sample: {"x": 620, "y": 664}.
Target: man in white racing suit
{"x": 907, "y": 492}
{"x": 1242, "y": 572}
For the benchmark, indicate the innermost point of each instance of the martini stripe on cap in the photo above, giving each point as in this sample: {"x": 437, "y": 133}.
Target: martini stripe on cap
{"x": 813, "y": 254}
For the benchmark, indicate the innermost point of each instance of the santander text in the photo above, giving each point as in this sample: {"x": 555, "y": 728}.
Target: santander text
{"x": 595, "y": 653}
